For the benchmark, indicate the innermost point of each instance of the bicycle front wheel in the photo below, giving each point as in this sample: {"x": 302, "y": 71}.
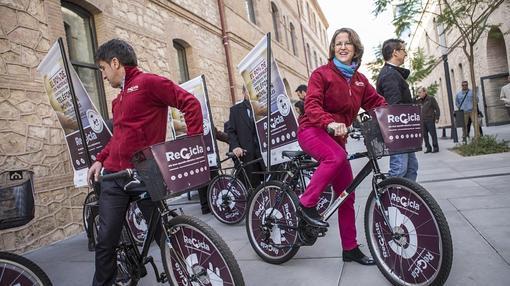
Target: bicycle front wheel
{"x": 195, "y": 254}
{"x": 227, "y": 198}
{"x": 18, "y": 270}
{"x": 408, "y": 234}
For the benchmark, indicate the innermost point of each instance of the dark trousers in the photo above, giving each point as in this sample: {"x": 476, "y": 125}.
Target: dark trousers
{"x": 252, "y": 171}
{"x": 469, "y": 126}
{"x": 429, "y": 127}
{"x": 113, "y": 203}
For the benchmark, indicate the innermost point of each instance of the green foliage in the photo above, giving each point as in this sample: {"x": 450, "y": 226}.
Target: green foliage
{"x": 421, "y": 66}
{"x": 487, "y": 144}
{"x": 432, "y": 89}
{"x": 376, "y": 66}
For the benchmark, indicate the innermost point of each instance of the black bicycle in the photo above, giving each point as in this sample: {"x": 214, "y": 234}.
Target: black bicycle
{"x": 17, "y": 209}
{"x": 191, "y": 251}
{"x": 406, "y": 230}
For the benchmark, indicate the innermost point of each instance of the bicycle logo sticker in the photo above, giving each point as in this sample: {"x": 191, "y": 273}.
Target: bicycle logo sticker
{"x": 418, "y": 251}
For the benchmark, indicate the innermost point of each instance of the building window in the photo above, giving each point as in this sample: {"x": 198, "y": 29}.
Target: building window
{"x": 82, "y": 44}
{"x": 293, "y": 39}
{"x": 315, "y": 58}
{"x": 182, "y": 61}
{"x": 275, "y": 15}
{"x": 308, "y": 12}
{"x": 250, "y": 10}
{"x": 314, "y": 23}
{"x": 309, "y": 56}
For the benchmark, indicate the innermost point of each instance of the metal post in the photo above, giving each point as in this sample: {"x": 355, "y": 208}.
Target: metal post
{"x": 450, "y": 97}
{"x": 268, "y": 98}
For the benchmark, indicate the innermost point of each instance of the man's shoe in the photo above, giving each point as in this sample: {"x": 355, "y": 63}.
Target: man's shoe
{"x": 312, "y": 217}
{"x": 435, "y": 151}
{"x": 206, "y": 211}
{"x": 427, "y": 151}
{"x": 358, "y": 256}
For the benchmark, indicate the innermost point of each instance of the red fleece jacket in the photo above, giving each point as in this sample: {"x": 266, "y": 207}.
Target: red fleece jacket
{"x": 331, "y": 98}
{"x": 140, "y": 114}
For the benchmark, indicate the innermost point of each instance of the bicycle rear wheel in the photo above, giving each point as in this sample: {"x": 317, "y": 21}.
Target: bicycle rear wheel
{"x": 272, "y": 223}
{"x": 195, "y": 254}
{"x": 408, "y": 234}
{"x": 18, "y": 270}
{"x": 326, "y": 198}
{"x": 227, "y": 197}
{"x": 87, "y": 214}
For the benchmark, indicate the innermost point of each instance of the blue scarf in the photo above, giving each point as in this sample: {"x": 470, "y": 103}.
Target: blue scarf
{"x": 346, "y": 70}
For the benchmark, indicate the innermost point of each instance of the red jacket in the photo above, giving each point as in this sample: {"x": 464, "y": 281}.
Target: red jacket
{"x": 140, "y": 114}
{"x": 331, "y": 98}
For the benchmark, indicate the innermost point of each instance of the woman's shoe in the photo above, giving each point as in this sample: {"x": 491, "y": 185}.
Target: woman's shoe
{"x": 358, "y": 256}
{"x": 312, "y": 216}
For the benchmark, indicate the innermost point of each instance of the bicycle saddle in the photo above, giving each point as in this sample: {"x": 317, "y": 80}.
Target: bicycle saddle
{"x": 293, "y": 154}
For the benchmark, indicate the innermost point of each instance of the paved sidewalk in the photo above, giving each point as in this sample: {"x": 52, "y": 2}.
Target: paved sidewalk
{"x": 473, "y": 192}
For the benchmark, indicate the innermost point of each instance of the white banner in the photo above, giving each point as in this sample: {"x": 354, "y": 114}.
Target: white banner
{"x": 253, "y": 69}
{"x": 177, "y": 126}
{"x": 58, "y": 90}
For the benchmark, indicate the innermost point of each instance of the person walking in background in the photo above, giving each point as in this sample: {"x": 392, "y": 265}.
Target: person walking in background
{"x": 336, "y": 91}
{"x": 243, "y": 139}
{"x": 464, "y": 102}
{"x": 392, "y": 84}
{"x": 300, "y": 104}
{"x": 505, "y": 95}
{"x": 429, "y": 117}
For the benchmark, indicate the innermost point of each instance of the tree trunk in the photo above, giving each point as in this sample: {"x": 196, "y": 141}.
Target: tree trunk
{"x": 474, "y": 111}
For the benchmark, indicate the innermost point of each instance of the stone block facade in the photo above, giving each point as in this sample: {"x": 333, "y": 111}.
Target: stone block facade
{"x": 30, "y": 135}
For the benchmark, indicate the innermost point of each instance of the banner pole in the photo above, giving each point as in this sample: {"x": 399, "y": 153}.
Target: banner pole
{"x": 75, "y": 101}
{"x": 213, "y": 134}
{"x": 268, "y": 98}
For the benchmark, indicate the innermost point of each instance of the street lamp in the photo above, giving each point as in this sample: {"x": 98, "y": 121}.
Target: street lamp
{"x": 444, "y": 52}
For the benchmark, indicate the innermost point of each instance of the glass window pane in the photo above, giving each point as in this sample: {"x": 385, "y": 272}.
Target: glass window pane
{"x": 78, "y": 35}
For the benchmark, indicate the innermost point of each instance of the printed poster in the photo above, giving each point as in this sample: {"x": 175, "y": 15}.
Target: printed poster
{"x": 177, "y": 126}
{"x": 56, "y": 85}
{"x": 283, "y": 124}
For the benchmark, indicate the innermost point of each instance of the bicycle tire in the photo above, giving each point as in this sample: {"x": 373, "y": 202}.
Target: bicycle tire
{"x": 87, "y": 209}
{"x": 18, "y": 269}
{"x": 227, "y": 197}
{"x": 201, "y": 249}
{"x": 424, "y": 247}
{"x": 262, "y": 232}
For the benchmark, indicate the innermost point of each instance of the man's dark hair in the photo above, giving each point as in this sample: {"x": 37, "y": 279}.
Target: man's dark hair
{"x": 116, "y": 48}
{"x": 389, "y": 46}
{"x": 302, "y": 87}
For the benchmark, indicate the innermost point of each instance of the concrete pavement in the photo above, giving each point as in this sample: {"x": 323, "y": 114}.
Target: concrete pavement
{"x": 473, "y": 192}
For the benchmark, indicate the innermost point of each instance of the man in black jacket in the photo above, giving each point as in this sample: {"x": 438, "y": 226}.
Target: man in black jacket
{"x": 429, "y": 117}
{"x": 392, "y": 84}
{"x": 243, "y": 139}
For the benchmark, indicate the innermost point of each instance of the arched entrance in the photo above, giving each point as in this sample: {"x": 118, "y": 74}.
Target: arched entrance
{"x": 497, "y": 67}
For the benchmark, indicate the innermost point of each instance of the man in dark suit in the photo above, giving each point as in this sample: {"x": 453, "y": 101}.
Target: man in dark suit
{"x": 243, "y": 137}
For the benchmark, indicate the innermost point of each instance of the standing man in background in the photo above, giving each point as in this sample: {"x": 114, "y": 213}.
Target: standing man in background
{"x": 392, "y": 84}
{"x": 429, "y": 117}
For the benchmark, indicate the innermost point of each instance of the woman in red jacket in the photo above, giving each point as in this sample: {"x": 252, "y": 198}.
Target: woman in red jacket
{"x": 336, "y": 91}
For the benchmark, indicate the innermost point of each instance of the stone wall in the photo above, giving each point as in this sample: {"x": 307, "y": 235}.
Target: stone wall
{"x": 30, "y": 136}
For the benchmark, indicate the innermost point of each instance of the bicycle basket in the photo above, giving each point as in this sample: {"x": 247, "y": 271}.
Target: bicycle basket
{"x": 16, "y": 198}
{"x": 393, "y": 129}
{"x": 173, "y": 167}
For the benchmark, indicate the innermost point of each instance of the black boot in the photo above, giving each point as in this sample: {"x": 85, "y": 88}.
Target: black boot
{"x": 358, "y": 256}
{"x": 312, "y": 217}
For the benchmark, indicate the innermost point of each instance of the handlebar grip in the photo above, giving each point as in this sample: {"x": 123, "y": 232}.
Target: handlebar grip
{"x": 121, "y": 174}
{"x": 350, "y": 129}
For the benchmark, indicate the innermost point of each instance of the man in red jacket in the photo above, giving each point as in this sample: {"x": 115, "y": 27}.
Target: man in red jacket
{"x": 140, "y": 113}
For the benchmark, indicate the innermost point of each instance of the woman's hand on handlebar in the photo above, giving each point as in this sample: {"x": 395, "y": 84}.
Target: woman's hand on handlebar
{"x": 337, "y": 129}
{"x": 93, "y": 173}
